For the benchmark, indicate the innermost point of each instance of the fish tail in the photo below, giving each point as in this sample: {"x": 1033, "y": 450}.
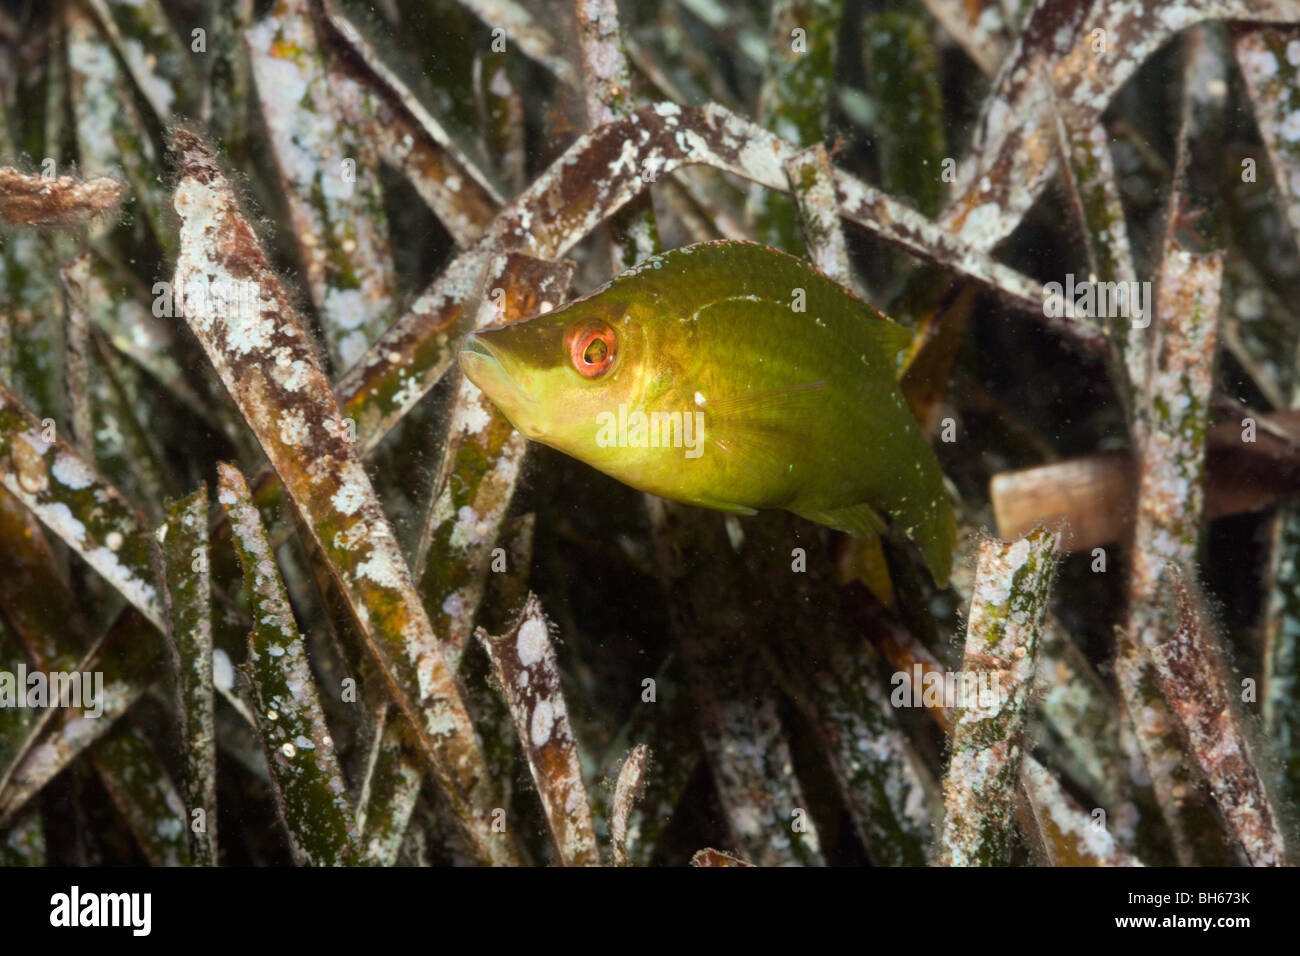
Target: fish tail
{"x": 929, "y": 523}
{"x": 935, "y": 532}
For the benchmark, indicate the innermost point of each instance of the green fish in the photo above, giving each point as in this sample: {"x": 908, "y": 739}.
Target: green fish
{"x": 732, "y": 376}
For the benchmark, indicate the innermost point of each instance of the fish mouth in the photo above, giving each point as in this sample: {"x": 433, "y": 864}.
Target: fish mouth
{"x": 474, "y": 345}
{"x": 483, "y": 366}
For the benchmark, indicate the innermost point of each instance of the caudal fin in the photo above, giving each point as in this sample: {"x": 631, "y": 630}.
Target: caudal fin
{"x": 936, "y": 536}
{"x": 931, "y": 524}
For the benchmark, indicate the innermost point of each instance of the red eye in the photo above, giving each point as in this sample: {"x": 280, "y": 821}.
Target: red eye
{"x": 592, "y": 347}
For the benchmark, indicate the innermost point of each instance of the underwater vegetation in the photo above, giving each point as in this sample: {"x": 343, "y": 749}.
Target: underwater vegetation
{"x": 956, "y": 340}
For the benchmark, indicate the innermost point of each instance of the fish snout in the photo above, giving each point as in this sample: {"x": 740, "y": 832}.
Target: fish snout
{"x": 474, "y": 346}
{"x": 485, "y": 367}
{"x": 480, "y": 363}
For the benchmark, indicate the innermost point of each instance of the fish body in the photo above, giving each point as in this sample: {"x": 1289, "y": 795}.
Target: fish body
{"x": 732, "y": 376}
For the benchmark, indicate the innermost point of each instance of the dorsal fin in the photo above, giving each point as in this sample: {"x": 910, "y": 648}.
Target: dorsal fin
{"x": 733, "y": 268}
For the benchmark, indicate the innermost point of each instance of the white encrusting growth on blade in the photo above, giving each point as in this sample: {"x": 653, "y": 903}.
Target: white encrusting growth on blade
{"x": 543, "y": 721}
{"x": 71, "y": 472}
{"x": 532, "y": 641}
{"x": 352, "y": 491}
{"x": 524, "y": 662}
{"x": 1012, "y": 588}
{"x": 302, "y": 432}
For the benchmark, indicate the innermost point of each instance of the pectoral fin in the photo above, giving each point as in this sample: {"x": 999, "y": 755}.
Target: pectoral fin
{"x": 763, "y": 430}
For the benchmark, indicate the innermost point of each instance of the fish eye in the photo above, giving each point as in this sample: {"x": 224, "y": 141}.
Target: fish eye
{"x": 592, "y": 348}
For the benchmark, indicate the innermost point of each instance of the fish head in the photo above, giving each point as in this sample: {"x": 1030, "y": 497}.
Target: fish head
{"x": 554, "y": 374}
